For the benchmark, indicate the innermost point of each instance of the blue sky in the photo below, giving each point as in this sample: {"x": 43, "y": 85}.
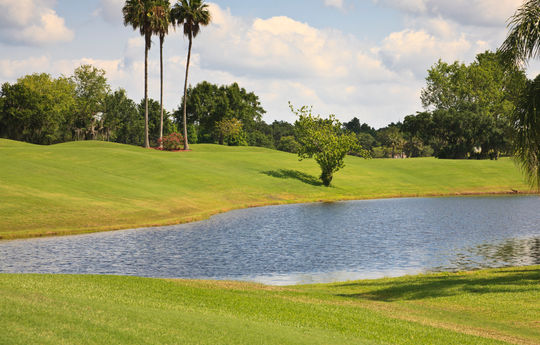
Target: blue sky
{"x": 363, "y": 58}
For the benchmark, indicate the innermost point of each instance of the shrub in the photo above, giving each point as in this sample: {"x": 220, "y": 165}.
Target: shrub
{"x": 173, "y": 141}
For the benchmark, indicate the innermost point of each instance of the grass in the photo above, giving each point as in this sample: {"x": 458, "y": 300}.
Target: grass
{"x": 95, "y": 186}
{"x": 485, "y": 307}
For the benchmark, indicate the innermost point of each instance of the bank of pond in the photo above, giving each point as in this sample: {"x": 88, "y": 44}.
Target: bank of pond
{"x": 304, "y": 243}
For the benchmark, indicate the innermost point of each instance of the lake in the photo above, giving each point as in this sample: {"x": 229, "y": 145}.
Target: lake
{"x": 304, "y": 243}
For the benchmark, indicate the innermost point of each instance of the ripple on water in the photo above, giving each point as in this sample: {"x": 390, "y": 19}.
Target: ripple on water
{"x": 305, "y": 243}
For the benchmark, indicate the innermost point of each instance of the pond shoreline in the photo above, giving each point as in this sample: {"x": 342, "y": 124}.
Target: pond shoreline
{"x": 207, "y": 215}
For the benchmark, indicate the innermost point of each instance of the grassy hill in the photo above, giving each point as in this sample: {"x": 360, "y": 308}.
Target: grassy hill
{"x": 485, "y": 307}
{"x": 92, "y": 186}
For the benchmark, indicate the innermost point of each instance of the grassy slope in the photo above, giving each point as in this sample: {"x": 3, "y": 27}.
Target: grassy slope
{"x": 90, "y": 186}
{"x": 485, "y": 307}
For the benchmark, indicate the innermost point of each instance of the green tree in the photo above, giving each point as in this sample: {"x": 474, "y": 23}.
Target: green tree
{"x": 122, "y": 119}
{"x": 210, "y": 104}
{"x": 91, "y": 89}
{"x": 522, "y": 44}
{"x": 527, "y": 132}
{"x": 161, "y": 13}
{"x": 288, "y": 144}
{"x": 392, "y": 137}
{"x": 191, "y": 14}
{"x": 487, "y": 90}
{"x": 230, "y": 132}
{"x": 38, "y": 109}
{"x": 325, "y": 141}
{"x": 138, "y": 14}
{"x": 154, "y": 120}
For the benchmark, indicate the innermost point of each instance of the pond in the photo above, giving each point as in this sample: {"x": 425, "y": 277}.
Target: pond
{"x": 304, "y": 243}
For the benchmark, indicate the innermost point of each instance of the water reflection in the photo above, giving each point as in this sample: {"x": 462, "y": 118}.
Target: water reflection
{"x": 512, "y": 252}
{"x": 308, "y": 243}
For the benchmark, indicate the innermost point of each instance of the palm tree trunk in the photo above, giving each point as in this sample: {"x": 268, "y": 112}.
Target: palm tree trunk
{"x": 146, "y": 141}
{"x": 186, "y": 144}
{"x": 161, "y": 96}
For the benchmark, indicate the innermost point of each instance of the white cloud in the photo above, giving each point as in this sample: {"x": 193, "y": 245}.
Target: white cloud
{"x": 416, "y": 51}
{"x": 111, "y": 11}
{"x": 32, "y": 22}
{"x": 12, "y": 69}
{"x": 467, "y": 12}
{"x": 334, "y": 3}
{"x": 282, "y": 59}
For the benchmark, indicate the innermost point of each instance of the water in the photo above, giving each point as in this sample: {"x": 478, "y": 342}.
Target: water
{"x": 304, "y": 243}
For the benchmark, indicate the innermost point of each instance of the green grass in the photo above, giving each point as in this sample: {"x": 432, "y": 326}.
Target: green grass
{"x": 485, "y": 307}
{"x": 93, "y": 186}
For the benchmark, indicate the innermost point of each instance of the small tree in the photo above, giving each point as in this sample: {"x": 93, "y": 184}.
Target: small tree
{"x": 325, "y": 141}
{"x": 230, "y": 132}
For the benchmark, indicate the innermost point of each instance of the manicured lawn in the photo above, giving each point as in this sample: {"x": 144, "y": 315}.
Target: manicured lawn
{"x": 485, "y": 307}
{"x": 92, "y": 186}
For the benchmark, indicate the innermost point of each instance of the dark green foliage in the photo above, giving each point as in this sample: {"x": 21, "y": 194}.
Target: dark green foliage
{"x": 38, "y": 109}
{"x": 91, "y": 89}
{"x": 123, "y": 120}
{"x": 154, "y": 119}
{"x": 471, "y": 107}
{"x": 392, "y": 138}
{"x": 521, "y": 44}
{"x": 526, "y": 129}
{"x": 288, "y": 144}
{"x": 209, "y": 104}
{"x": 258, "y": 138}
{"x": 281, "y": 129}
{"x": 356, "y": 127}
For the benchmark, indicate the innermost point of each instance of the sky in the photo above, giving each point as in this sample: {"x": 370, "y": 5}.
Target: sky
{"x": 352, "y": 58}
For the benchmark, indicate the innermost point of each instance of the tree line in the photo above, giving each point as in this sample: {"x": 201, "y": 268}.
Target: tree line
{"x": 40, "y": 109}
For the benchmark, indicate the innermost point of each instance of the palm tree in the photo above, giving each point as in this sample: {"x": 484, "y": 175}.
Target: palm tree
{"x": 527, "y": 132}
{"x": 191, "y": 14}
{"x": 160, "y": 25}
{"x": 137, "y": 13}
{"x": 521, "y": 44}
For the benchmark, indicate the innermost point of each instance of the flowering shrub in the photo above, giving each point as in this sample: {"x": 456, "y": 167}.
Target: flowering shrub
{"x": 173, "y": 141}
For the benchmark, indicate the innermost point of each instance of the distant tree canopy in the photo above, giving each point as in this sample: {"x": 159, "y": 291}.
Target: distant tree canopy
{"x": 209, "y": 104}
{"x": 44, "y": 110}
{"x": 469, "y": 108}
{"x": 38, "y": 109}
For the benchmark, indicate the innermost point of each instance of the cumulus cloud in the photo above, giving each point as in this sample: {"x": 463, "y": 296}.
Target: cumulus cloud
{"x": 334, "y": 3}
{"x": 32, "y": 22}
{"x": 111, "y": 11}
{"x": 467, "y": 12}
{"x": 415, "y": 51}
{"x": 284, "y": 48}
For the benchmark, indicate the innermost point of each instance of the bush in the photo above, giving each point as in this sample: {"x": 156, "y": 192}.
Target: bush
{"x": 173, "y": 141}
{"x": 288, "y": 144}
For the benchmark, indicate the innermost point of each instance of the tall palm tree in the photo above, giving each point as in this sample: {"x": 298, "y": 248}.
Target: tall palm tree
{"x": 191, "y": 14}
{"x": 161, "y": 21}
{"x": 137, "y": 13}
{"x": 521, "y": 44}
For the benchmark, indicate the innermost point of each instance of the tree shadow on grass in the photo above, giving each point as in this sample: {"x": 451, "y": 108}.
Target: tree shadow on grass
{"x": 443, "y": 286}
{"x": 294, "y": 174}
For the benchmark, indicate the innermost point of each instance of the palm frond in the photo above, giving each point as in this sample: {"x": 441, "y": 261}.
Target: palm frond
{"x": 523, "y": 40}
{"x": 527, "y": 133}
{"x": 191, "y": 14}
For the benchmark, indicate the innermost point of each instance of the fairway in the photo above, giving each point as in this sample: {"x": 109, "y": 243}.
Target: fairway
{"x": 484, "y": 307}
{"x": 94, "y": 186}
